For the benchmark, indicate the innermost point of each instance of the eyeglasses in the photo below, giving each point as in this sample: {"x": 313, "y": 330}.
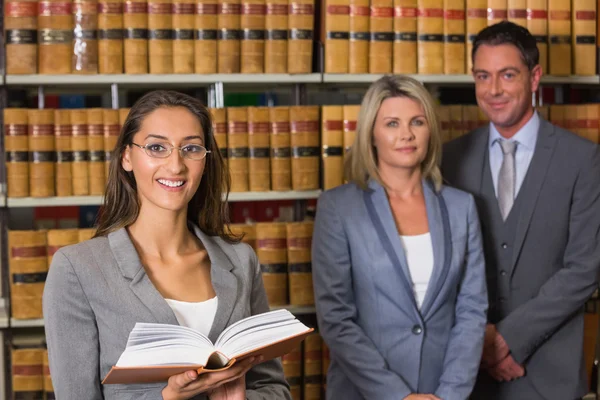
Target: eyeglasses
{"x": 164, "y": 150}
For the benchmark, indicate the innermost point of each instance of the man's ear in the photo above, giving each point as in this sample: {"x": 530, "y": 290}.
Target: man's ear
{"x": 536, "y": 76}
{"x": 126, "y": 160}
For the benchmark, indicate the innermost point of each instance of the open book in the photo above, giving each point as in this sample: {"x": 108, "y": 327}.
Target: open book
{"x": 154, "y": 352}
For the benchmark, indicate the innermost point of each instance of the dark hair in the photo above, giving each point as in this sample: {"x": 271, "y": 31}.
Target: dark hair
{"x": 506, "y": 32}
{"x": 206, "y": 209}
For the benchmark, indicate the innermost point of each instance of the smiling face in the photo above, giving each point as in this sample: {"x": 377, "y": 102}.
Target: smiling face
{"x": 504, "y": 86}
{"x": 401, "y": 134}
{"x": 166, "y": 183}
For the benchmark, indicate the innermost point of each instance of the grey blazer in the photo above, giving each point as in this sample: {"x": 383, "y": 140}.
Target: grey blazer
{"x": 541, "y": 272}
{"x": 97, "y": 290}
{"x": 381, "y": 346}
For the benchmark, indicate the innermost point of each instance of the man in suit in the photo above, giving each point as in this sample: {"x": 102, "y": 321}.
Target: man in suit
{"x": 537, "y": 190}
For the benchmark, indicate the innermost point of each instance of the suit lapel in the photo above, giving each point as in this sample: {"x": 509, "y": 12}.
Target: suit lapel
{"x": 131, "y": 267}
{"x": 533, "y": 182}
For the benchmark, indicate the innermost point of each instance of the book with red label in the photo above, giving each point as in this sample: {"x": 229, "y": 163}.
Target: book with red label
{"x": 155, "y": 352}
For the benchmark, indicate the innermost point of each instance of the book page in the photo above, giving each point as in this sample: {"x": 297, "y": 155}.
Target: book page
{"x": 267, "y": 318}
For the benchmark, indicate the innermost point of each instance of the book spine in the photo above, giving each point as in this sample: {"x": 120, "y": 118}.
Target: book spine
{"x": 456, "y": 126}
{"x": 445, "y": 130}
{"x": 219, "y": 123}
{"x": 559, "y": 31}
{"x": 228, "y": 36}
{"x": 86, "y": 234}
{"x": 81, "y": 156}
{"x": 84, "y": 58}
{"x": 497, "y": 11}
{"x": 20, "y": 24}
{"x": 304, "y": 129}
{"x": 259, "y": 149}
{"x": 332, "y": 146}
{"x": 592, "y": 122}
{"x": 359, "y": 37}
{"x": 292, "y": 370}
{"x": 237, "y": 146}
{"x": 58, "y": 238}
{"x": 299, "y": 239}
{"x": 28, "y": 267}
{"x": 96, "y": 151}
{"x": 276, "y": 36}
{"x": 454, "y": 37}
{"x": 517, "y": 12}
{"x": 111, "y": 129}
{"x": 337, "y": 36}
{"x": 313, "y": 379}
{"x": 584, "y": 37}
{"x": 476, "y": 20}
{"x": 16, "y": 147}
{"x": 281, "y": 172}
{"x": 405, "y": 36}
{"x": 350, "y": 114}
{"x": 381, "y": 48}
{"x": 272, "y": 255}
{"x": 430, "y": 26}
{"x": 537, "y": 23}
{"x": 556, "y": 115}
{"x": 253, "y": 36}
{"x": 48, "y": 386}
{"x": 41, "y": 153}
{"x": 110, "y": 37}
{"x": 205, "y": 37}
{"x": 184, "y": 22}
{"x": 55, "y": 36}
{"x": 135, "y": 33}
{"x": 64, "y": 153}
{"x": 28, "y": 373}
{"x": 248, "y": 231}
{"x": 160, "y": 36}
{"x": 300, "y": 36}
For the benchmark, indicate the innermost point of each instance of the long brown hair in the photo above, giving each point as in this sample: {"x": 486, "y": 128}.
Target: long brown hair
{"x": 206, "y": 208}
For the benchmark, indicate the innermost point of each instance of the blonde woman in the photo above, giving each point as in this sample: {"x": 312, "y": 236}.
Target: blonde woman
{"x": 398, "y": 265}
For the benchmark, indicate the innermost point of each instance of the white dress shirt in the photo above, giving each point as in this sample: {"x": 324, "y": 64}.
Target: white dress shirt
{"x": 419, "y": 256}
{"x": 198, "y": 316}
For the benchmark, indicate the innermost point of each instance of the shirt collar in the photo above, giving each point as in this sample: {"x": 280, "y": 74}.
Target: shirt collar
{"x": 526, "y": 136}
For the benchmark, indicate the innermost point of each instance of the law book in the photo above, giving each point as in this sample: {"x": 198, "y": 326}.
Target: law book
{"x": 20, "y": 24}
{"x": 55, "y": 37}
{"x": 184, "y": 22}
{"x": 559, "y": 31}
{"x": 135, "y": 36}
{"x": 252, "y": 23}
{"x": 583, "y": 38}
{"x": 337, "y": 36}
{"x": 84, "y": 58}
{"x": 110, "y": 37}
{"x": 205, "y": 37}
{"x": 332, "y": 146}
{"x": 381, "y": 47}
{"x": 430, "y": 42}
{"x": 517, "y": 12}
{"x": 359, "y": 37}
{"x": 160, "y": 36}
{"x": 454, "y": 37}
{"x": 497, "y": 11}
{"x": 405, "y": 37}
{"x": 476, "y": 20}
{"x": 276, "y": 36}
{"x": 537, "y": 23}
{"x": 228, "y": 36}
{"x": 300, "y": 36}
{"x": 155, "y": 352}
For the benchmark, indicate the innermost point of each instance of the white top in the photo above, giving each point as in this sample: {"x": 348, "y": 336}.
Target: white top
{"x": 198, "y": 316}
{"x": 419, "y": 256}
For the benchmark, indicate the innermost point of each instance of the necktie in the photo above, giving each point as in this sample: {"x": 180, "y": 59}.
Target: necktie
{"x": 507, "y": 177}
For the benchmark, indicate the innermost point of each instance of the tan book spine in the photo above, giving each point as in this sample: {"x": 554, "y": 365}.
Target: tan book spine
{"x": 476, "y": 20}
{"x": 237, "y": 148}
{"x": 276, "y": 37}
{"x": 86, "y": 234}
{"x": 454, "y": 37}
{"x": 332, "y": 146}
{"x": 219, "y": 124}
{"x": 20, "y": 24}
{"x": 445, "y": 124}
{"x": 381, "y": 48}
{"x": 557, "y": 115}
{"x": 299, "y": 239}
{"x": 592, "y": 122}
{"x": 497, "y": 11}
{"x": 110, "y": 36}
{"x": 537, "y": 24}
{"x": 281, "y": 167}
{"x": 81, "y": 156}
{"x": 58, "y": 238}
{"x": 304, "y": 125}
{"x": 337, "y": 36}
{"x": 184, "y": 22}
{"x": 517, "y": 12}
{"x": 312, "y": 367}
{"x": 41, "y": 153}
{"x": 64, "y": 153}
{"x": 135, "y": 43}
{"x": 229, "y": 36}
{"x": 48, "y": 386}
{"x": 259, "y": 179}
{"x": 405, "y": 36}
{"x": 28, "y": 267}
{"x": 470, "y": 118}
{"x": 456, "y": 121}
{"x": 292, "y": 370}
{"x": 205, "y": 37}
{"x": 16, "y": 146}
{"x": 482, "y": 118}
{"x": 28, "y": 373}
{"x": 55, "y": 36}
{"x": 111, "y": 128}
{"x": 272, "y": 255}
{"x": 360, "y": 35}
{"x": 582, "y": 116}
{"x": 430, "y": 26}
{"x": 300, "y": 36}
{"x": 584, "y": 37}
{"x": 97, "y": 164}
{"x": 253, "y": 36}
{"x": 84, "y": 59}
{"x": 559, "y": 31}
{"x": 570, "y": 118}
{"x": 248, "y": 231}
{"x": 123, "y": 114}
{"x": 350, "y": 120}
{"x": 160, "y": 36}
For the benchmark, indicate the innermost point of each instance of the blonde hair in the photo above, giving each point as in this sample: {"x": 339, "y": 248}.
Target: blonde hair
{"x": 361, "y": 161}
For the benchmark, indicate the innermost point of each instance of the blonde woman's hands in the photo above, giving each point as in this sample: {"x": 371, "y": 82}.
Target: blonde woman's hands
{"x": 188, "y": 384}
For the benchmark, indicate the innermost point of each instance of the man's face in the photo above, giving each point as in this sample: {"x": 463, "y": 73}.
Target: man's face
{"x": 504, "y": 86}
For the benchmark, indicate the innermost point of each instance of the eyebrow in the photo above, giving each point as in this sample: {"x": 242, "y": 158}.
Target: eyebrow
{"x": 152, "y": 135}
{"x": 509, "y": 68}
{"x": 414, "y": 116}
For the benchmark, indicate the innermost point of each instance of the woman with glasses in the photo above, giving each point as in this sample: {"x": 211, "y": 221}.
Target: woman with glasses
{"x": 162, "y": 253}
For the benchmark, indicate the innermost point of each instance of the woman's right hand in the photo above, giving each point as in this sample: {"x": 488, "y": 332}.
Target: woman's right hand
{"x": 421, "y": 397}
{"x": 188, "y": 384}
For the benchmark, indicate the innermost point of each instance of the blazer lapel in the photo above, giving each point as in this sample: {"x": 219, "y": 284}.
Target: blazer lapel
{"x": 131, "y": 267}
{"x": 533, "y": 182}
{"x": 224, "y": 282}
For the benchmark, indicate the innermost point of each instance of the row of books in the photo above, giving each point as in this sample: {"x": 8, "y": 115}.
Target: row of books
{"x": 159, "y": 36}
{"x": 305, "y": 369}
{"x": 435, "y": 36}
{"x": 30, "y": 373}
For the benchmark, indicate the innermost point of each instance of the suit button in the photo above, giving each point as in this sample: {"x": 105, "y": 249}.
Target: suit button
{"x": 503, "y": 273}
{"x": 502, "y": 299}
{"x": 504, "y": 245}
{"x": 417, "y": 330}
